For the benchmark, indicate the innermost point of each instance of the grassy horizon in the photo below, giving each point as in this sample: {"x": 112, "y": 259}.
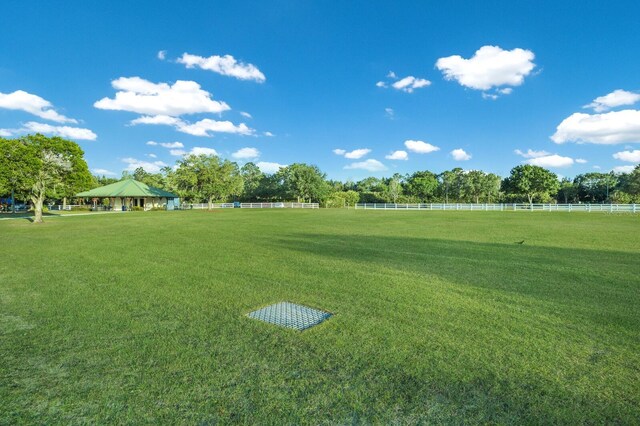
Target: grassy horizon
{"x": 439, "y": 317}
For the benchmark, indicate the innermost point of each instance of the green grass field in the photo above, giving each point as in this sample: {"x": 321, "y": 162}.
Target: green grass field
{"x": 439, "y": 317}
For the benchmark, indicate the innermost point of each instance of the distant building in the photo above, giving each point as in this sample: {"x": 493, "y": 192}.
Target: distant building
{"x": 130, "y": 193}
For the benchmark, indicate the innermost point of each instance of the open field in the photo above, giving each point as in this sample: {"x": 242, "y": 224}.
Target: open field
{"x": 439, "y": 317}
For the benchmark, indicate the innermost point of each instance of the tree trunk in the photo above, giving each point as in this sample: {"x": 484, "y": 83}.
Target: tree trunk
{"x": 37, "y": 207}
{"x": 64, "y": 203}
{"x": 210, "y": 202}
{"x": 530, "y": 199}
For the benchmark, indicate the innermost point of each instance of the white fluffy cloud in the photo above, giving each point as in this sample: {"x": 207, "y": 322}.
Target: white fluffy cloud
{"x": 629, "y": 156}
{"x": 246, "y": 153}
{"x": 488, "y": 68}
{"x": 531, "y": 153}
{"x": 157, "y": 119}
{"x": 136, "y": 94}
{"x": 206, "y": 126}
{"x": 201, "y": 150}
{"x": 623, "y": 169}
{"x": 162, "y": 54}
{"x": 151, "y": 167}
{"x": 370, "y": 165}
{"x": 407, "y": 84}
{"x": 614, "y": 99}
{"x": 245, "y": 114}
{"x": 269, "y": 168}
{"x": 357, "y": 153}
{"x": 420, "y": 147}
{"x": 605, "y": 129}
{"x": 268, "y": 134}
{"x": 103, "y": 172}
{"x": 47, "y": 129}
{"x": 554, "y": 161}
{"x": 203, "y": 127}
{"x": 410, "y": 83}
{"x": 166, "y": 144}
{"x": 353, "y": 155}
{"x": 397, "y": 155}
{"x": 225, "y": 65}
{"x": 33, "y": 104}
{"x": 460, "y": 155}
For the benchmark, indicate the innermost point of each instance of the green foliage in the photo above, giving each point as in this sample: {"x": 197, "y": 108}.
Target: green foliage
{"x": 17, "y": 162}
{"x": 155, "y": 180}
{"x": 531, "y": 182}
{"x": 43, "y": 167}
{"x": 452, "y": 185}
{"x": 422, "y": 185}
{"x": 342, "y": 199}
{"x": 252, "y": 177}
{"x": 207, "y": 177}
{"x": 632, "y": 182}
{"x": 303, "y": 182}
{"x": 595, "y": 187}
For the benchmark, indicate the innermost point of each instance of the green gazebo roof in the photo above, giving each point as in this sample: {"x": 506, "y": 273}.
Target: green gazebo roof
{"x": 126, "y": 188}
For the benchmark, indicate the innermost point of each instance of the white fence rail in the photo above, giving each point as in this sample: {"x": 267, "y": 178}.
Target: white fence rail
{"x": 611, "y": 208}
{"x": 254, "y": 206}
{"x": 68, "y": 207}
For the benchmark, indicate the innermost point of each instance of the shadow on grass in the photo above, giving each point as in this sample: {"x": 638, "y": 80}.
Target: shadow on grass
{"x": 575, "y": 298}
{"x": 25, "y": 215}
{"x": 592, "y": 277}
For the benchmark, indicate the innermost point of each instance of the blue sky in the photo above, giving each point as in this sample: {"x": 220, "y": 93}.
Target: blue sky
{"x": 361, "y": 88}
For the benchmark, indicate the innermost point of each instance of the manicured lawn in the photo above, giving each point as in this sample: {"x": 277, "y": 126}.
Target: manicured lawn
{"x": 439, "y": 317}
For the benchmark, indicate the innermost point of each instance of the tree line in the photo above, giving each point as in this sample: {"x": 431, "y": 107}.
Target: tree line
{"x": 42, "y": 169}
{"x": 209, "y": 178}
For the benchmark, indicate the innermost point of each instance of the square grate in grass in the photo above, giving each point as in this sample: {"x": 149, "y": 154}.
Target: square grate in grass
{"x": 290, "y": 315}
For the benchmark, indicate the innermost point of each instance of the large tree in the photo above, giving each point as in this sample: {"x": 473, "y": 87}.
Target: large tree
{"x": 394, "y": 187}
{"x": 304, "y": 182}
{"x": 252, "y": 177}
{"x": 595, "y": 187}
{"x": 452, "y": 184}
{"x": 156, "y": 180}
{"x": 422, "y": 185}
{"x": 632, "y": 182}
{"x": 17, "y": 161}
{"x": 207, "y": 177}
{"x": 531, "y": 182}
{"x": 568, "y": 192}
{"x": 48, "y": 166}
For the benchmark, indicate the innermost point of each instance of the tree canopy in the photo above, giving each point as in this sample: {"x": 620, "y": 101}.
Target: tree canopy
{"x": 207, "y": 177}
{"x": 532, "y": 182}
{"x": 37, "y": 167}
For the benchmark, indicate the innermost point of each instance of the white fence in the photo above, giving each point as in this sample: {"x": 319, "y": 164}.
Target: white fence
{"x": 628, "y": 208}
{"x": 254, "y": 206}
{"x": 68, "y": 207}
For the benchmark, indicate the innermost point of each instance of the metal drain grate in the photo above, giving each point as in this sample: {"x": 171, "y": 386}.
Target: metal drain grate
{"x": 290, "y": 315}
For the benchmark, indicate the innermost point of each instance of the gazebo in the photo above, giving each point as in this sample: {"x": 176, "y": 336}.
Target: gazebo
{"x": 128, "y": 193}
